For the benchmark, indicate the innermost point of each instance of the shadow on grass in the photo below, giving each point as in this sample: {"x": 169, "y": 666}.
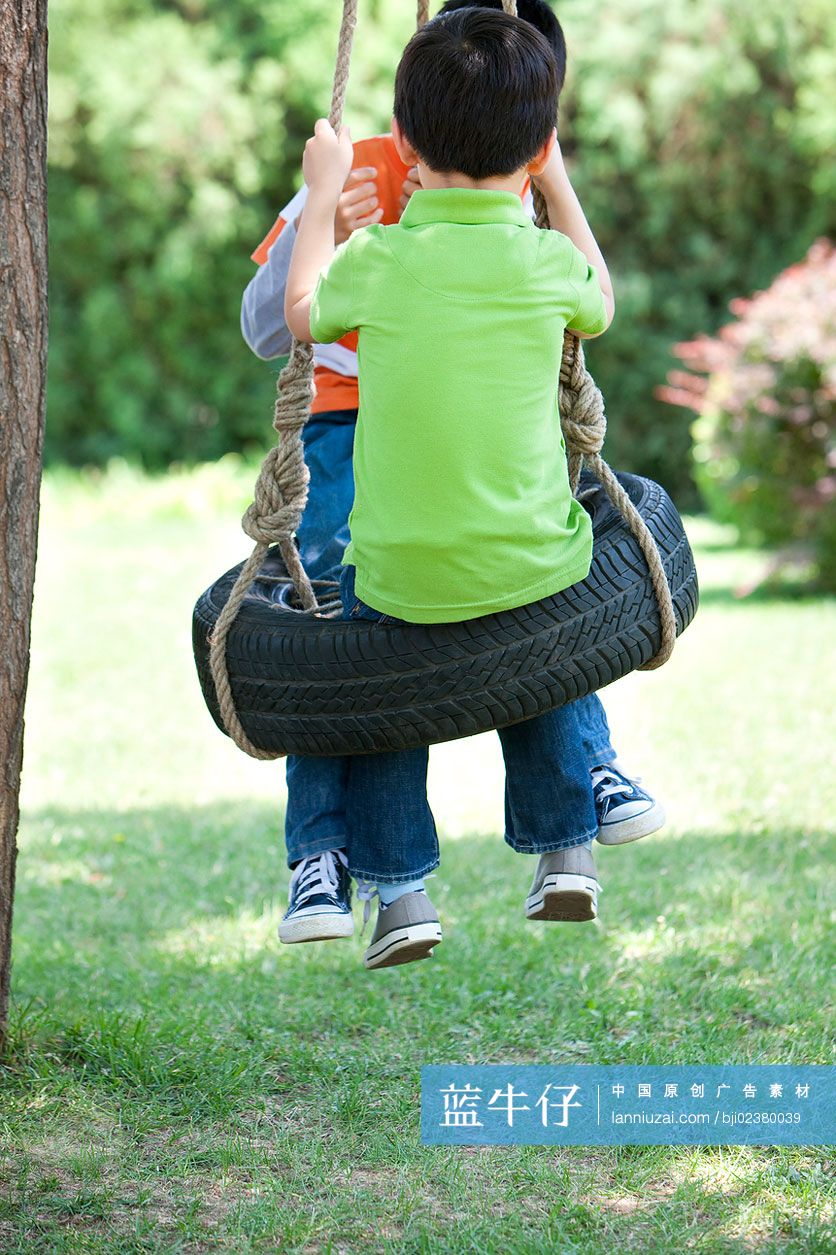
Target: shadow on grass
{"x": 155, "y": 1011}
{"x": 148, "y": 921}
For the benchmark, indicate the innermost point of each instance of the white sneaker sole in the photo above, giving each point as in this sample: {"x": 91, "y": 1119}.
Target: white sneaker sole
{"x": 563, "y": 896}
{"x": 632, "y": 829}
{"x": 327, "y": 926}
{"x": 403, "y": 945}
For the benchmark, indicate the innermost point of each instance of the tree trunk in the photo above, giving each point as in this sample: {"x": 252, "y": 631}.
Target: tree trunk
{"x": 23, "y": 310}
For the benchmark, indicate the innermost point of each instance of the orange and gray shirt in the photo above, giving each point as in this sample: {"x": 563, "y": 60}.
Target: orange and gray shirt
{"x": 262, "y": 308}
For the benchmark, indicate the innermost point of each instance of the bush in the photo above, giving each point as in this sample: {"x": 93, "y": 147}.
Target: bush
{"x": 765, "y": 393}
{"x": 175, "y": 138}
{"x": 695, "y": 130}
{"x": 699, "y": 145}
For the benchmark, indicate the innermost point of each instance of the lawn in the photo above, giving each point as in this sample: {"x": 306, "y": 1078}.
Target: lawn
{"x": 180, "y": 1082}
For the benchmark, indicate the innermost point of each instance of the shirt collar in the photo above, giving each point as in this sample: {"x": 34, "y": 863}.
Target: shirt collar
{"x": 468, "y": 205}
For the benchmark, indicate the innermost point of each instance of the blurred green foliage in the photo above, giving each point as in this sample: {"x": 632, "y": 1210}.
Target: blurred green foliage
{"x": 700, "y": 131}
{"x": 176, "y": 132}
{"x": 696, "y": 131}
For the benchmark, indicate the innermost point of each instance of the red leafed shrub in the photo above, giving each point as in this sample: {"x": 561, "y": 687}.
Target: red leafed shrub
{"x": 764, "y": 390}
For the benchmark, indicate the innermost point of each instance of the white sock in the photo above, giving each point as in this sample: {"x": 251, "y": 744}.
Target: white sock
{"x": 390, "y": 893}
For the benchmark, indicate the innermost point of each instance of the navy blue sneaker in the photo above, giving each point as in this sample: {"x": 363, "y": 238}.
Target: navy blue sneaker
{"x": 624, "y": 811}
{"x": 320, "y": 900}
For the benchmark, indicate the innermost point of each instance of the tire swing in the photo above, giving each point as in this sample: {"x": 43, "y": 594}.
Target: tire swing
{"x": 282, "y": 673}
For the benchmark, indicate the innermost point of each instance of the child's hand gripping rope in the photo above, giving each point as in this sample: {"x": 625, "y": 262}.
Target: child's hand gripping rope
{"x": 326, "y": 163}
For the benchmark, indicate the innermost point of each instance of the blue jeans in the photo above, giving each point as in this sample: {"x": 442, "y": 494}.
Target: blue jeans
{"x": 391, "y": 836}
{"x": 317, "y": 788}
{"x": 323, "y": 532}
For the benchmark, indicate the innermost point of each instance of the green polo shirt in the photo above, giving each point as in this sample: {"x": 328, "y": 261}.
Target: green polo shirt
{"x": 462, "y": 502}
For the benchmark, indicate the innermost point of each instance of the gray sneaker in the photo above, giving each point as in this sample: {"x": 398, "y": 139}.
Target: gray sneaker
{"x": 406, "y": 930}
{"x": 565, "y": 886}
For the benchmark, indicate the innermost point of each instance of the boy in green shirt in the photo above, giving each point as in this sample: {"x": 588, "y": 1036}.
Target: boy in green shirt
{"x": 462, "y": 501}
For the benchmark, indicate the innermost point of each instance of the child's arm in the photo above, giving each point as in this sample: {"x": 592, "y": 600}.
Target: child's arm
{"x": 566, "y": 215}
{"x": 263, "y": 324}
{"x": 326, "y": 165}
{"x": 262, "y": 306}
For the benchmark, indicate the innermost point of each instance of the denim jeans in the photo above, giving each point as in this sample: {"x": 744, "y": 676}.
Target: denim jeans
{"x": 391, "y": 836}
{"x": 317, "y": 788}
{"x": 323, "y": 532}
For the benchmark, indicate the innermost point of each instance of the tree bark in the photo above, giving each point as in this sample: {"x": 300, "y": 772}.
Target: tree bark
{"x": 23, "y": 331}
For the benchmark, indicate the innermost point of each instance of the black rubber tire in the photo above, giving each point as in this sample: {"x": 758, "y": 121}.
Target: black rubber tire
{"x": 304, "y": 685}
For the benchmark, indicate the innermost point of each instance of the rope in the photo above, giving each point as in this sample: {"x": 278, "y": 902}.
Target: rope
{"x": 584, "y": 427}
{"x": 423, "y": 14}
{"x": 281, "y": 490}
{"x": 346, "y": 39}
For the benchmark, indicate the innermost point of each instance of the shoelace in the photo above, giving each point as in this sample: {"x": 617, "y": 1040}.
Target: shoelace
{"x": 365, "y": 893}
{"x": 317, "y": 874}
{"x": 608, "y": 782}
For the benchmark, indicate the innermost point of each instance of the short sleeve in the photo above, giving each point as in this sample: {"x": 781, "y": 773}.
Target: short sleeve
{"x": 333, "y": 312}
{"x": 590, "y": 316}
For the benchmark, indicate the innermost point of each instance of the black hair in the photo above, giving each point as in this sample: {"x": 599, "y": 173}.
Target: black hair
{"x": 540, "y": 16}
{"x": 476, "y": 92}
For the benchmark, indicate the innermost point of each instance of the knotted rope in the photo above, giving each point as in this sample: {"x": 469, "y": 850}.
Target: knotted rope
{"x": 584, "y": 426}
{"x": 281, "y": 491}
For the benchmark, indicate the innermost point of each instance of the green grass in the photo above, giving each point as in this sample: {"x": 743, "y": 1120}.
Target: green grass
{"x": 179, "y": 1082}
